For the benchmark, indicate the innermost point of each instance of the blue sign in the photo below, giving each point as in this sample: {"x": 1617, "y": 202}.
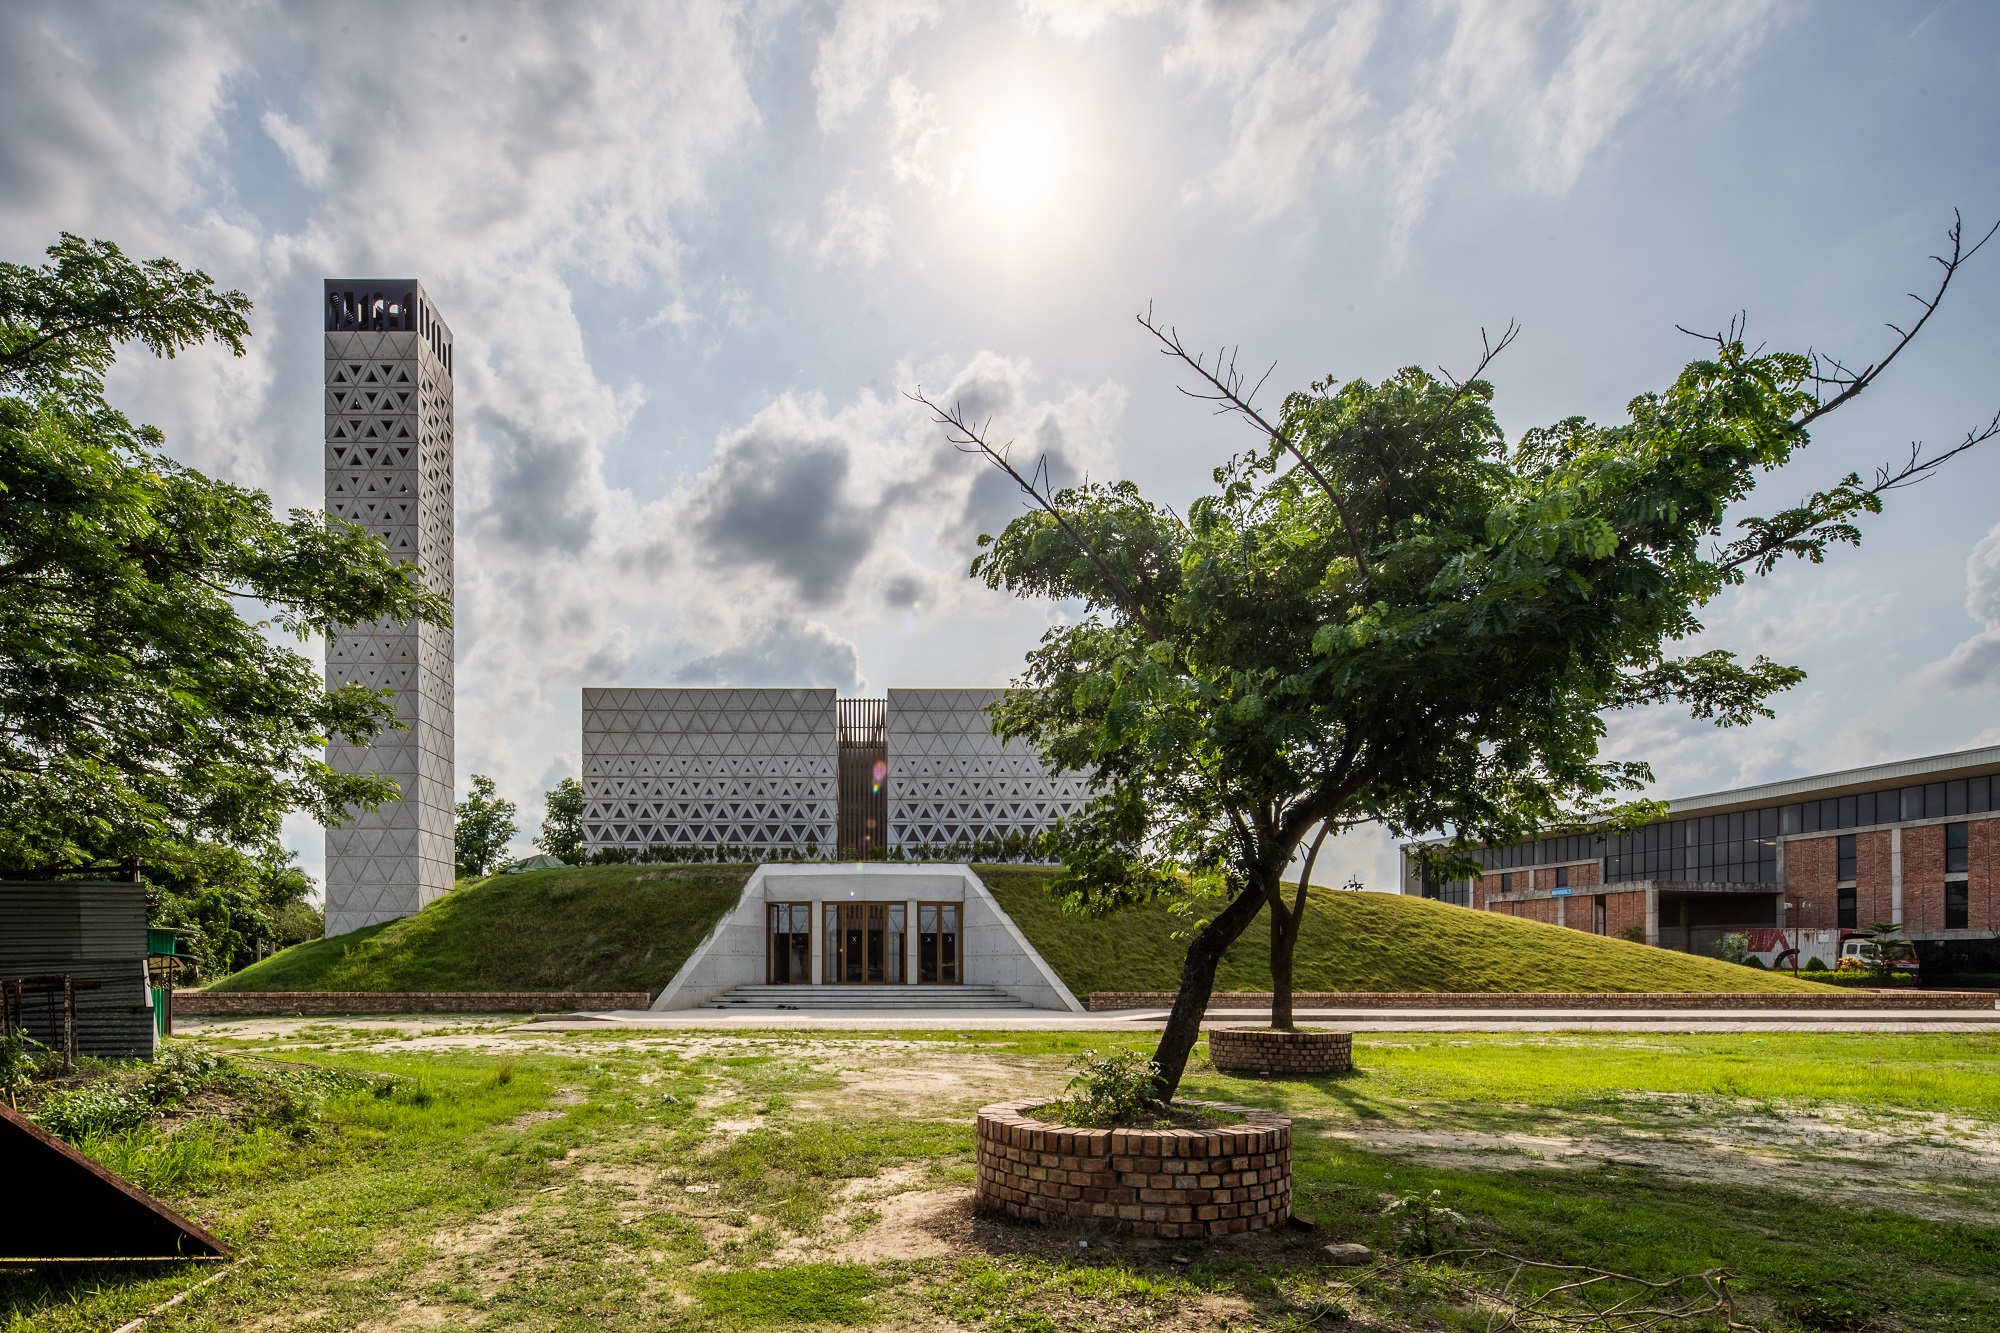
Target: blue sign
{"x": 1558, "y": 893}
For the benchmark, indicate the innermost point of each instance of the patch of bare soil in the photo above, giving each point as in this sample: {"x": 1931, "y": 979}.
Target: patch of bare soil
{"x": 934, "y": 1083}
{"x": 1922, "y": 1163}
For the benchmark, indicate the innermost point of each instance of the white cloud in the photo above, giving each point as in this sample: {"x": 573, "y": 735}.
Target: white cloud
{"x": 306, "y": 154}
{"x": 854, "y": 57}
{"x": 1975, "y": 662}
{"x": 1538, "y": 83}
{"x": 920, "y": 141}
{"x": 854, "y": 232}
{"x": 1078, "y": 19}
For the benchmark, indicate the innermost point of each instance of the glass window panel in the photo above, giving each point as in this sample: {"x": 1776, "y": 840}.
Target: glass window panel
{"x": 1864, "y": 812}
{"x": 1956, "y": 854}
{"x": 1767, "y": 822}
{"x": 1957, "y": 906}
{"x": 1810, "y": 811}
{"x": 1934, "y": 800}
{"x": 1844, "y": 856}
{"x": 1849, "y": 808}
{"x": 1913, "y": 802}
{"x": 1954, "y": 797}
{"x": 1792, "y": 819}
{"x": 1979, "y": 795}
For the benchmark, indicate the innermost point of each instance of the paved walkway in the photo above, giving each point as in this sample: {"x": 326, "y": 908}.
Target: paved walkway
{"x": 1357, "y": 1020}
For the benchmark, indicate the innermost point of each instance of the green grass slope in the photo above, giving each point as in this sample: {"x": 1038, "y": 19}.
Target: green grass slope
{"x": 1362, "y": 942}
{"x": 589, "y": 928}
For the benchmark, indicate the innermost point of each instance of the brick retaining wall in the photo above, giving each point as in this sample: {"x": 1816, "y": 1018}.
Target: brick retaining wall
{"x": 1268, "y": 1052}
{"x": 1102, "y": 1000}
{"x": 200, "y": 1004}
{"x": 1144, "y": 1182}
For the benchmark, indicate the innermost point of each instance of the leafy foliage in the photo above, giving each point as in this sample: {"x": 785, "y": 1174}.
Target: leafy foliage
{"x": 143, "y": 719}
{"x": 1389, "y": 612}
{"x": 1424, "y": 1225}
{"x": 485, "y": 826}
{"x": 562, "y": 822}
{"x": 1114, "y": 1090}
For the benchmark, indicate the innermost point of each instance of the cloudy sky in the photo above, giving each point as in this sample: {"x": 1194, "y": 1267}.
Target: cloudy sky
{"x": 694, "y": 254}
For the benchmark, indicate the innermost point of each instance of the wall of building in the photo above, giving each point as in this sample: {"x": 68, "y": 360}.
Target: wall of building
{"x": 389, "y": 459}
{"x": 747, "y": 768}
{"x": 952, "y": 782}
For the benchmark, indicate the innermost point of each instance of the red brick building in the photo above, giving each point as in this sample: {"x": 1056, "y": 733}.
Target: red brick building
{"x": 1916, "y": 843}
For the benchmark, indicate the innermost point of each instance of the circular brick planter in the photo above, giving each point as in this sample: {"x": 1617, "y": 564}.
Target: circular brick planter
{"x": 1269, "y": 1052}
{"x": 1144, "y": 1182}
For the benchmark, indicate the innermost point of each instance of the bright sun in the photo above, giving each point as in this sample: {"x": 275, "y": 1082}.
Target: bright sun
{"x": 1014, "y": 165}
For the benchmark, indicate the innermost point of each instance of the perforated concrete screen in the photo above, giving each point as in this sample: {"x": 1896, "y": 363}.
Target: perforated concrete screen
{"x": 757, "y": 770}
{"x": 752, "y": 769}
{"x": 389, "y": 469}
{"x": 952, "y": 781}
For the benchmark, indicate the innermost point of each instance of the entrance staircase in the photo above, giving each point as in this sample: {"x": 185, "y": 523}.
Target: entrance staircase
{"x": 866, "y": 997}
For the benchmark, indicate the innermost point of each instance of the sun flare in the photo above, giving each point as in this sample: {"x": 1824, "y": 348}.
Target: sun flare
{"x": 1016, "y": 163}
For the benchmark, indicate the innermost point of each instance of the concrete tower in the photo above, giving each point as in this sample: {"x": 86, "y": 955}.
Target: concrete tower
{"x": 388, "y": 469}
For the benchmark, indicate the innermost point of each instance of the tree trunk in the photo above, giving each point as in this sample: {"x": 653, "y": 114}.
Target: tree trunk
{"x": 1282, "y": 940}
{"x": 1198, "y": 983}
{"x": 1285, "y": 936}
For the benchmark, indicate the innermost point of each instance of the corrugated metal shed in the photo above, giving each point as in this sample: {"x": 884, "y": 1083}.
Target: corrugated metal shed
{"x": 95, "y": 930}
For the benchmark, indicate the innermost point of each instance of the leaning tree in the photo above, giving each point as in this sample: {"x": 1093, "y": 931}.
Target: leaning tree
{"x": 1388, "y": 611}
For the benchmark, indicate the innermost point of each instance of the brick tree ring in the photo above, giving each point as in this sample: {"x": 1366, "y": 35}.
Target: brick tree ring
{"x": 1142, "y": 1182}
{"x": 1270, "y": 1052}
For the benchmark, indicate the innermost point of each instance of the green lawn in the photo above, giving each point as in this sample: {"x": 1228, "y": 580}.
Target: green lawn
{"x": 463, "y": 1176}
{"x": 1362, "y": 942}
{"x": 631, "y": 927}
{"x": 590, "y": 928}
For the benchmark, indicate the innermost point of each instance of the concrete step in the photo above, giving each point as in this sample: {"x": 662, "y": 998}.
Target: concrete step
{"x": 866, "y": 997}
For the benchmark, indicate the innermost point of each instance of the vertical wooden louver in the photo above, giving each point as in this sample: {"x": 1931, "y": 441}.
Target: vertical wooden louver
{"x": 864, "y": 778}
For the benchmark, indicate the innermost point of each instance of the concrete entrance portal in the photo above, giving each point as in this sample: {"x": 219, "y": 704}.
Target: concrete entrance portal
{"x": 919, "y": 936}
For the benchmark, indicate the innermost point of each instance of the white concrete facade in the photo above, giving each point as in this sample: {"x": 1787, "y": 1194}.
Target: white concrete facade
{"x": 389, "y": 418}
{"x": 992, "y": 949}
{"x": 953, "y": 783}
{"x": 751, "y": 768}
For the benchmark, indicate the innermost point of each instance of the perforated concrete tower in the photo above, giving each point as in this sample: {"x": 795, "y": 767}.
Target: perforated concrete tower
{"x": 388, "y": 468}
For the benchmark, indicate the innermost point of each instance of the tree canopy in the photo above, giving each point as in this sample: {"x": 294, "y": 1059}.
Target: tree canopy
{"x": 1388, "y": 611}
{"x": 143, "y": 718}
{"x": 562, "y": 822}
{"x": 484, "y": 827}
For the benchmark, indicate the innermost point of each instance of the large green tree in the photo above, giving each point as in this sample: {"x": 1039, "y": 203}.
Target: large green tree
{"x": 1389, "y": 611}
{"x": 144, "y": 718}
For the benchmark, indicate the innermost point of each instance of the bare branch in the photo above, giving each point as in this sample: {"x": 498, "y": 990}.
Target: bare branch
{"x": 969, "y": 439}
{"x": 1226, "y": 389}
{"x": 1487, "y": 352}
{"x": 1848, "y": 383}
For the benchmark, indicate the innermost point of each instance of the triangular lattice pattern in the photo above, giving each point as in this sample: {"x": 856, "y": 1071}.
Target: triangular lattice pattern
{"x": 951, "y": 780}
{"x": 709, "y": 768}
{"x": 389, "y": 469}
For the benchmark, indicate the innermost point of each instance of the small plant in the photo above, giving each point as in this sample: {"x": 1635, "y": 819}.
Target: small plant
{"x": 1733, "y": 948}
{"x": 1636, "y": 934}
{"x": 95, "y": 1109}
{"x": 1110, "y": 1091}
{"x": 1424, "y": 1225}
{"x": 21, "y": 1060}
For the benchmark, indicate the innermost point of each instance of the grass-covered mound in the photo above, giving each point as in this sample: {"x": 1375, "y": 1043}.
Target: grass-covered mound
{"x": 590, "y": 928}
{"x": 1362, "y": 942}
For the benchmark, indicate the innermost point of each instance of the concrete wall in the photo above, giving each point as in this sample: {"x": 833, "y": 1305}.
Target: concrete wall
{"x": 953, "y": 782}
{"x": 751, "y": 768}
{"x": 992, "y": 950}
{"x": 388, "y": 413}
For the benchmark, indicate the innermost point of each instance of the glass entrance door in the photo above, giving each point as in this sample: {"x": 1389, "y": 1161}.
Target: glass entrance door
{"x": 864, "y": 944}
{"x": 937, "y": 942}
{"x": 790, "y": 953}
